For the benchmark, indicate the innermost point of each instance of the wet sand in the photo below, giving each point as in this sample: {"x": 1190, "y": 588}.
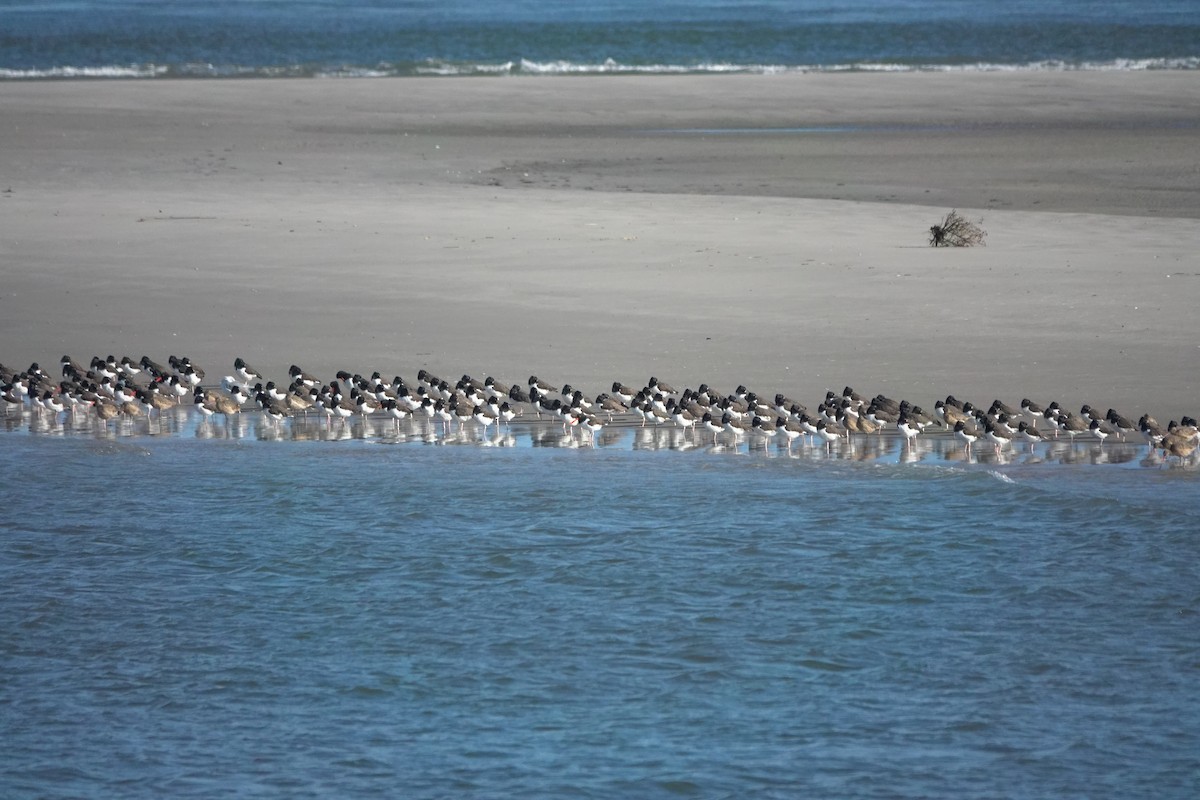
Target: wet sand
{"x": 765, "y": 230}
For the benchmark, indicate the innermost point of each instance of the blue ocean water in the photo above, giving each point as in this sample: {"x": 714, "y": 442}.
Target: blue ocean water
{"x": 222, "y": 38}
{"x": 208, "y": 609}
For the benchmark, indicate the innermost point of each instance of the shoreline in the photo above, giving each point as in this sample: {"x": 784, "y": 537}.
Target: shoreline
{"x": 525, "y": 68}
{"x": 529, "y": 225}
{"x": 933, "y": 447}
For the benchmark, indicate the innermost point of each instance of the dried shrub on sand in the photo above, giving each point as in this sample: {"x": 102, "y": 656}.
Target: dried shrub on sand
{"x": 957, "y": 231}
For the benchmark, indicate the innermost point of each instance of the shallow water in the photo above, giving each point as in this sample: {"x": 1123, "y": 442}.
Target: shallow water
{"x": 211, "y": 611}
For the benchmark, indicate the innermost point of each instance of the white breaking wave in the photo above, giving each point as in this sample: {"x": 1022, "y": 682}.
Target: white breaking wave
{"x": 131, "y": 71}
{"x": 606, "y": 67}
{"x": 609, "y": 66}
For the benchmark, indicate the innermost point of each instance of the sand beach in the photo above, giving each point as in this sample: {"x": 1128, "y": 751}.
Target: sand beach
{"x": 767, "y": 230}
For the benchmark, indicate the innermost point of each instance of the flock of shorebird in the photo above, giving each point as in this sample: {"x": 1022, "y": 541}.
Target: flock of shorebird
{"x": 111, "y": 388}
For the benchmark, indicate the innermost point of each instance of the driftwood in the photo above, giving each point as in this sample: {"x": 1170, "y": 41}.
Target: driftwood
{"x": 957, "y": 231}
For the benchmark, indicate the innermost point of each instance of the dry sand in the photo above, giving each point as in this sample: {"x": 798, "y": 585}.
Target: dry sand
{"x": 765, "y": 230}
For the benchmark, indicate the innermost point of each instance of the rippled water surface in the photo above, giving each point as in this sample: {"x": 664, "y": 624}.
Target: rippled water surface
{"x": 193, "y": 617}
{"x": 270, "y": 38}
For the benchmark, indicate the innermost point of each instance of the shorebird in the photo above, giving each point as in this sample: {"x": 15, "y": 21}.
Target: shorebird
{"x": 711, "y": 425}
{"x": 271, "y": 391}
{"x": 882, "y": 415}
{"x": 492, "y": 405}
{"x": 565, "y": 414}
{"x": 123, "y": 393}
{"x": 175, "y": 387}
{"x": 624, "y": 393}
{"x": 999, "y": 409}
{"x": 1051, "y": 415}
{"x": 1030, "y": 434}
{"x": 590, "y": 424}
{"x": 504, "y": 414}
{"x": 132, "y": 409}
{"x": 105, "y": 367}
{"x": 917, "y": 415}
{"x": 857, "y": 423}
{"x": 829, "y": 432}
{"x": 1071, "y": 425}
{"x": 215, "y": 403}
{"x": 949, "y": 413}
{"x": 808, "y": 425}
{"x": 1101, "y": 429}
{"x": 10, "y": 398}
{"x": 854, "y": 397}
{"x": 706, "y": 394}
{"x": 1008, "y": 422}
{"x": 72, "y": 369}
{"x": 888, "y": 404}
{"x": 437, "y": 409}
{"x": 1031, "y": 408}
{"x": 908, "y": 430}
{"x": 396, "y": 411}
{"x": 52, "y": 402}
{"x": 156, "y": 401}
{"x": 484, "y": 416}
{"x": 461, "y": 410}
{"x": 1179, "y": 446}
{"x": 364, "y": 403}
{"x": 654, "y": 385}
{"x": 998, "y": 435}
{"x": 756, "y": 406}
{"x": 611, "y": 405}
{"x": 541, "y": 386}
{"x": 541, "y": 403}
{"x": 191, "y": 376}
{"x": 300, "y": 376}
{"x": 275, "y": 410}
{"x": 576, "y": 399}
{"x": 341, "y": 407}
{"x": 174, "y": 362}
{"x": 247, "y": 374}
{"x": 495, "y": 388}
{"x": 762, "y": 427}
{"x": 428, "y": 408}
{"x": 190, "y": 373}
{"x": 473, "y": 393}
{"x": 238, "y": 394}
{"x": 298, "y": 399}
{"x": 131, "y": 368}
{"x": 682, "y": 417}
{"x": 736, "y": 407}
{"x": 659, "y": 403}
{"x": 1150, "y": 428}
{"x": 1185, "y": 428}
{"x": 966, "y": 432}
{"x": 106, "y": 410}
{"x": 1124, "y": 427}
{"x": 75, "y": 398}
{"x": 790, "y": 430}
{"x": 738, "y": 427}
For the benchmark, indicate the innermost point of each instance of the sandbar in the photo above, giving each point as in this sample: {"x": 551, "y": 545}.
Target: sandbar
{"x": 763, "y": 230}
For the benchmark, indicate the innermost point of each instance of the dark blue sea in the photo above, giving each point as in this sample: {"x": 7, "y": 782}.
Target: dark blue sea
{"x": 266, "y": 38}
{"x": 198, "y": 609}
